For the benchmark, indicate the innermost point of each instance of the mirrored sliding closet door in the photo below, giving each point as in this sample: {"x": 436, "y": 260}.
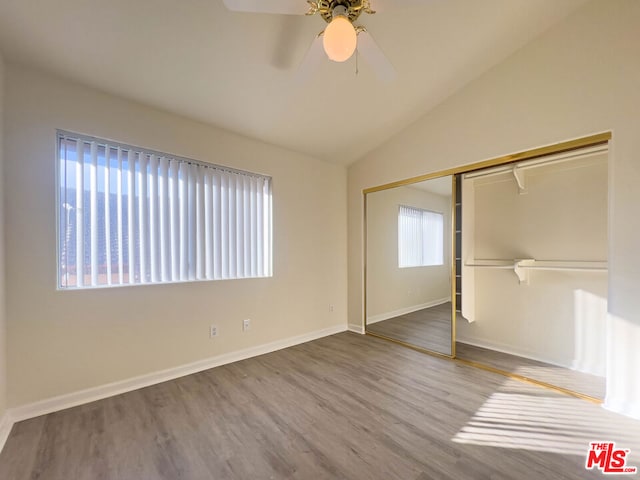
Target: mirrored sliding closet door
{"x": 409, "y": 273}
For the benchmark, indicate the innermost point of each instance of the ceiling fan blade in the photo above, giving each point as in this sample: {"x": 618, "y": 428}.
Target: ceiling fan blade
{"x": 370, "y": 51}
{"x": 386, "y": 5}
{"x": 311, "y": 61}
{"x": 286, "y": 7}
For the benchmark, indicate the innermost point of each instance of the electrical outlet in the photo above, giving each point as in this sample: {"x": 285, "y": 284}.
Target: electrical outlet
{"x": 331, "y": 308}
{"x": 213, "y": 331}
{"x": 246, "y": 324}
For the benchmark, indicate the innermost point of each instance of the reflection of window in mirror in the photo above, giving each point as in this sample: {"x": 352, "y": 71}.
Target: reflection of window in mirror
{"x": 420, "y": 237}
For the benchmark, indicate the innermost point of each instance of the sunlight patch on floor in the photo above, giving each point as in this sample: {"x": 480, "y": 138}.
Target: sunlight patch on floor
{"x": 528, "y": 417}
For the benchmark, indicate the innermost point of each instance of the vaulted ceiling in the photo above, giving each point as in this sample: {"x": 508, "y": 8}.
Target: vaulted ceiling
{"x": 237, "y": 71}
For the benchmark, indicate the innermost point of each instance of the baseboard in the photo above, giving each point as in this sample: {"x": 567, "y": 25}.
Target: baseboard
{"x": 595, "y": 369}
{"x": 403, "y": 311}
{"x": 355, "y": 328}
{"x": 499, "y": 347}
{"x": 73, "y": 399}
{"x": 622, "y": 407}
{"x": 6, "y": 423}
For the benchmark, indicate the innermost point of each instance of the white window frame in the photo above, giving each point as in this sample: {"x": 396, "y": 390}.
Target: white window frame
{"x": 417, "y": 233}
{"x": 214, "y": 241}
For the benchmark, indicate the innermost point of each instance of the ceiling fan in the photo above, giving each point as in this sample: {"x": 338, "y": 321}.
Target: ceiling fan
{"x": 341, "y": 37}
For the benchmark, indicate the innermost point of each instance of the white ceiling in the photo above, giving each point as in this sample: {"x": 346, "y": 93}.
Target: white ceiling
{"x": 236, "y": 71}
{"x": 439, "y": 186}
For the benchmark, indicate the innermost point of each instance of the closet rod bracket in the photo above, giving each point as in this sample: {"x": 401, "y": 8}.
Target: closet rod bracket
{"x": 518, "y": 174}
{"x": 519, "y": 268}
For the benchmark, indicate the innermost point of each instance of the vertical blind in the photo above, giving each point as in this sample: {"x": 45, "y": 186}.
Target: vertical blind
{"x": 132, "y": 216}
{"x": 420, "y": 237}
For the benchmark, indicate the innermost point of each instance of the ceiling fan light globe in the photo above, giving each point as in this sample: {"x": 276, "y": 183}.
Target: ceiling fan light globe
{"x": 340, "y": 39}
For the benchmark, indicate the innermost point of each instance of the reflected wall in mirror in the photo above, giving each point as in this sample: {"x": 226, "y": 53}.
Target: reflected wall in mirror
{"x": 408, "y": 279}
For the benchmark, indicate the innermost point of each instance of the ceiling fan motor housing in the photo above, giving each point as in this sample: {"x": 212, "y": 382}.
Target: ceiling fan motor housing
{"x": 354, "y": 8}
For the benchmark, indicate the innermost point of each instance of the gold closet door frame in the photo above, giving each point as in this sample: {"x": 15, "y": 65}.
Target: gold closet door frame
{"x": 576, "y": 144}
{"x": 452, "y": 274}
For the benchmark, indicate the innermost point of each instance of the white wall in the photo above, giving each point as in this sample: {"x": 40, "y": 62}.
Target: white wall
{"x": 3, "y": 323}
{"x": 563, "y": 216}
{"x": 64, "y": 341}
{"x": 392, "y": 290}
{"x": 579, "y": 78}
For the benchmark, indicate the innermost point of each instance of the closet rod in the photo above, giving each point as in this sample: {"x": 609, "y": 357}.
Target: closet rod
{"x": 539, "y": 162}
{"x": 532, "y": 264}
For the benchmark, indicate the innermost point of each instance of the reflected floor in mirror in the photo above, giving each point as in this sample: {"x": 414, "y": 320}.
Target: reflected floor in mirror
{"x": 429, "y": 328}
{"x": 584, "y": 383}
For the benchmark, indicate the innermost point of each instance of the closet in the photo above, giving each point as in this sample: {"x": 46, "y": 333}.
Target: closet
{"x": 531, "y": 261}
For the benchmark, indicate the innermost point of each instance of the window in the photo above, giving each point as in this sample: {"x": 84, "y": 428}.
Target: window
{"x": 420, "y": 237}
{"x": 131, "y": 216}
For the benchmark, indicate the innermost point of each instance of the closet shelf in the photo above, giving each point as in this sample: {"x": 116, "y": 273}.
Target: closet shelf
{"x": 518, "y": 169}
{"x": 522, "y": 266}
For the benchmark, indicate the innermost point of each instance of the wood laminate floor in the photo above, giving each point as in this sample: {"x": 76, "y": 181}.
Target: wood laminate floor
{"x": 428, "y": 328}
{"x": 591, "y": 385}
{"x": 343, "y": 407}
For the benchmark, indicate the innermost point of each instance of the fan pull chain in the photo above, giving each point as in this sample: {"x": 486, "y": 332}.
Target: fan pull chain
{"x": 357, "y": 71}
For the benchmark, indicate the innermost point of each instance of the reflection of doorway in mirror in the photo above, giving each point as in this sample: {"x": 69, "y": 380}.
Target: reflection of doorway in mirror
{"x": 409, "y": 264}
